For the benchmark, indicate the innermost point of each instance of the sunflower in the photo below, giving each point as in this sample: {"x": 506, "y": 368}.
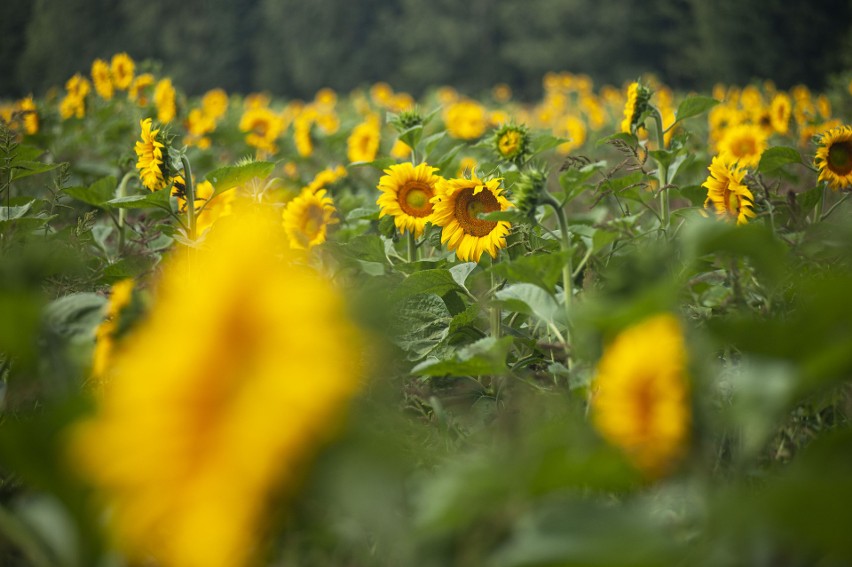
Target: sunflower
{"x": 574, "y": 129}
{"x": 407, "y": 191}
{"x": 150, "y": 152}
{"x": 102, "y": 79}
{"x": 465, "y": 120}
{"x": 457, "y": 206}
{"x": 834, "y": 157}
{"x": 198, "y": 124}
{"x": 186, "y": 449}
{"x": 27, "y": 108}
{"x": 105, "y": 333}
{"x": 727, "y": 192}
{"x": 363, "y": 142}
{"x": 307, "y": 218}
{"x": 640, "y": 403}
{"x": 511, "y": 142}
{"x": 74, "y": 102}
{"x": 122, "y": 68}
{"x": 140, "y": 89}
{"x": 637, "y": 102}
{"x": 744, "y": 143}
{"x": 779, "y": 113}
{"x": 215, "y": 103}
{"x": 164, "y": 99}
{"x": 262, "y": 127}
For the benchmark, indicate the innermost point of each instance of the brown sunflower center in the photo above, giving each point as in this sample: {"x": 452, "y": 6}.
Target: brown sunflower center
{"x": 840, "y": 157}
{"x": 414, "y": 199}
{"x": 509, "y": 144}
{"x": 733, "y": 203}
{"x": 312, "y": 222}
{"x": 744, "y": 147}
{"x": 469, "y": 207}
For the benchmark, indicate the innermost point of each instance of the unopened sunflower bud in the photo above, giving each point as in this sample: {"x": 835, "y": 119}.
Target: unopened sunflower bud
{"x": 529, "y": 189}
{"x": 511, "y": 143}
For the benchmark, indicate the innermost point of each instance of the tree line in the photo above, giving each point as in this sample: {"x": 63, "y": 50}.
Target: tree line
{"x": 294, "y": 47}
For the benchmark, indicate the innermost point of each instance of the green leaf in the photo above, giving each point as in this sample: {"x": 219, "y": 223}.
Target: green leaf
{"x": 12, "y": 213}
{"x": 777, "y": 157}
{"x": 541, "y": 269}
{"x": 231, "y": 176}
{"x": 156, "y": 199}
{"x": 129, "y": 267}
{"x": 96, "y": 194}
{"x": 460, "y": 272}
{"x": 543, "y": 142}
{"x": 696, "y": 194}
{"x": 420, "y": 324}
{"x": 380, "y": 164}
{"x": 530, "y": 300}
{"x": 435, "y": 281}
{"x": 75, "y": 314}
{"x": 693, "y": 106}
{"x": 484, "y": 357}
{"x": 26, "y": 168}
{"x": 363, "y": 213}
{"x": 628, "y": 139}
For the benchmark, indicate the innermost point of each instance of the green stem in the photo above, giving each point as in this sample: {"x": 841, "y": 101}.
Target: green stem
{"x": 495, "y": 318}
{"x": 122, "y": 212}
{"x": 190, "y": 197}
{"x": 820, "y": 205}
{"x": 23, "y": 538}
{"x": 662, "y": 172}
{"x": 567, "y": 270}
{"x": 412, "y": 246}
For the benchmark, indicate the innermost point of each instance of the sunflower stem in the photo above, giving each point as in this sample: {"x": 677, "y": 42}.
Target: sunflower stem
{"x": 190, "y": 197}
{"x": 412, "y": 246}
{"x": 820, "y": 205}
{"x": 662, "y": 172}
{"x": 122, "y": 212}
{"x": 496, "y": 313}
{"x": 567, "y": 269}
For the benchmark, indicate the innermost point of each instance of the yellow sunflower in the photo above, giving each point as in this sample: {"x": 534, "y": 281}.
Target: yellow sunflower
{"x": 406, "y": 195}
{"x": 150, "y": 152}
{"x": 215, "y": 103}
{"x": 187, "y": 449}
{"x": 511, "y": 142}
{"x": 466, "y": 120}
{"x": 198, "y": 124}
{"x": 262, "y": 127}
{"x": 140, "y": 88}
{"x": 779, "y": 113}
{"x": 834, "y": 157}
{"x": 640, "y": 403}
{"x": 726, "y": 191}
{"x": 363, "y": 142}
{"x": 74, "y": 102}
{"x": 122, "y": 68}
{"x": 307, "y": 218}
{"x": 637, "y": 101}
{"x": 164, "y": 99}
{"x": 27, "y": 108}
{"x": 456, "y": 209}
{"x": 574, "y": 129}
{"x": 105, "y": 334}
{"x": 102, "y": 79}
{"x": 744, "y": 143}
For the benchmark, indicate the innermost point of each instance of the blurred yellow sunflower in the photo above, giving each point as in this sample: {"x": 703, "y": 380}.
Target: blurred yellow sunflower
{"x": 74, "y": 101}
{"x": 188, "y": 448}
{"x": 164, "y": 99}
{"x": 574, "y": 129}
{"x": 834, "y": 157}
{"x": 215, "y": 103}
{"x": 105, "y": 334}
{"x": 363, "y": 142}
{"x": 726, "y": 192}
{"x": 779, "y": 113}
{"x": 465, "y": 120}
{"x": 637, "y": 102}
{"x": 102, "y": 79}
{"x": 407, "y": 191}
{"x": 122, "y": 68}
{"x": 745, "y": 143}
{"x": 27, "y": 108}
{"x": 150, "y": 153}
{"x": 262, "y": 127}
{"x": 640, "y": 403}
{"x": 456, "y": 209}
{"x": 140, "y": 89}
{"x": 307, "y": 218}
{"x": 511, "y": 142}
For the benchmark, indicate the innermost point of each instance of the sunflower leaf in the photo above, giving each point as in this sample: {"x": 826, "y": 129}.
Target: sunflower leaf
{"x": 227, "y": 177}
{"x": 96, "y": 194}
{"x": 694, "y": 106}
{"x": 435, "y": 281}
{"x": 484, "y": 357}
{"x": 777, "y": 157}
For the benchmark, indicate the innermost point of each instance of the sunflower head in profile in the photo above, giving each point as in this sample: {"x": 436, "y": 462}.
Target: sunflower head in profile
{"x": 307, "y": 218}
{"x": 457, "y": 208}
{"x": 407, "y": 193}
{"x": 834, "y": 157}
{"x": 726, "y": 192}
{"x": 102, "y": 79}
{"x": 122, "y": 68}
{"x": 641, "y": 403}
{"x": 638, "y": 96}
{"x": 152, "y": 168}
{"x": 744, "y": 143}
{"x": 511, "y": 142}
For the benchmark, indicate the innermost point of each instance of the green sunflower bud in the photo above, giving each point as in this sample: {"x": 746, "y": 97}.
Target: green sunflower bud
{"x": 529, "y": 189}
{"x": 511, "y": 143}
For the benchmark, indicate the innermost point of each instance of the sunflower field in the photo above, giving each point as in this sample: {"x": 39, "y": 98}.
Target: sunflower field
{"x": 612, "y": 326}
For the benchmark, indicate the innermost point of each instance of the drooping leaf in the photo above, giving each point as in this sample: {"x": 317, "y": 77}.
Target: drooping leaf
{"x": 693, "y": 106}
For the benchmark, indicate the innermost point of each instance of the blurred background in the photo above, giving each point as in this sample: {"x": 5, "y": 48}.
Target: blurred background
{"x": 294, "y": 47}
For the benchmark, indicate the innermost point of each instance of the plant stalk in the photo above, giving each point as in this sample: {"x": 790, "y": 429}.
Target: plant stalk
{"x": 662, "y": 172}
{"x": 190, "y": 196}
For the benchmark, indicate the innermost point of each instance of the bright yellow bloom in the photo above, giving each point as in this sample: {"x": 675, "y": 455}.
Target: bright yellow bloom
{"x": 745, "y": 143}
{"x": 456, "y": 209}
{"x": 834, "y": 157}
{"x": 263, "y": 127}
{"x": 140, "y": 89}
{"x": 326, "y": 177}
{"x": 779, "y": 113}
{"x": 188, "y": 447}
{"x": 150, "y": 152}
{"x": 730, "y": 197}
{"x": 27, "y": 108}
{"x": 215, "y": 103}
{"x": 164, "y": 99}
{"x": 823, "y": 107}
{"x": 511, "y": 142}
{"x": 407, "y": 191}
{"x": 466, "y": 120}
{"x": 400, "y": 150}
{"x": 74, "y": 102}
{"x": 102, "y": 79}
{"x": 640, "y": 399}
{"x": 381, "y": 93}
{"x": 574, "y": 129}
{"x": 467, "y": 166}
{"x": 302, "y": 136}
{"x": 325, "y": 97}
{"x": 307, "y": 218}
{"x": 198, "y": 124}
{"x": 122, "y": 68}
{"x": 630, "y": 108}
{"x": 363, "y": 142}
{"x": 105, "y": 334}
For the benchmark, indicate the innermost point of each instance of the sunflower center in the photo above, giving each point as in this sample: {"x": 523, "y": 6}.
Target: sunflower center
{"x": 840, "y": 157}
{"x": 509, "y": 144}
{"x": 469, "y": 207}
{"x": 313, "y": 222}
{"x": 414, "y": 199}
{"x": 733, "y": 203}
{"x": 744, "y": 147}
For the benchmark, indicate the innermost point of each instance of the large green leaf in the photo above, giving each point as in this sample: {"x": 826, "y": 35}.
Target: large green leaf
{"x": 231, "y": 176}
{"x": 529, "y": 299}
{"x": 96, "y": 194}
{"x": 420, "y": 324}
{"x": 693, "y": 106}
{"x": 436, "y": 281}
{"x": 486, "y": 357}
{"x": 776, "y": 157}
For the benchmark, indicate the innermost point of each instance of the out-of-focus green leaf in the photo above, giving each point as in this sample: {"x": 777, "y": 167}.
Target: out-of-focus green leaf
{"x": 486, "y": 357}
{"x": 436, "y": 281}
{"x": 776, "y": 157}
{"x": 155, "y": 199}
{"x": 543, "y": 270}
{"x": 379, "y": 164}
{"x": 96, "y": 194}
{"x": 529, "y": 299}
{"x": 23, "y": 169}
{"x": 693, "y": 106}
{"x": 420, "y": 324}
